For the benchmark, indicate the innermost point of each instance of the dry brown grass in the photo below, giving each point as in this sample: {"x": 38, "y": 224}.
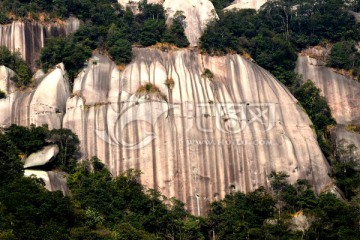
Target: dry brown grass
{"x": 170, "y": 83}
{"x": 150, "y": 90}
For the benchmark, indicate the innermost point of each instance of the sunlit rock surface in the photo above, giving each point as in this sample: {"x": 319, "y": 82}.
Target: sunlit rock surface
{"x": 214, "y": 135}
{"x": 42, "y": 157}
{"x": 44, "y": 104}
{"x": 198, "y": 13}
{"x": 28, "y": 37}
{"x": 53, "y": 180}
{"x": 345, "y": 138}
{"x": 342, "y": 93}
{"x": 6, "y": 84}
{"x": 242, "y": 4}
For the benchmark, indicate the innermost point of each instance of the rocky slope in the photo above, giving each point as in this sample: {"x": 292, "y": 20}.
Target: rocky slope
{"x": 341, "y": 93}
{"x": 213, "y": 135}
{"x": 28, "y": 37}
{"x": 198, "y": 13}
{"x": 43, "y": 105}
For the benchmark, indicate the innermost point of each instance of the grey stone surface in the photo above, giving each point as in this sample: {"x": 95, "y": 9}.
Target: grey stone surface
{"x": 213, "y": 135}
{"x": 180, "y": 161}
{"x": 29, "y": 37}
{"x": 44, "y": 104}
{"x": 6, "y": 84}
{"x": 42, "y": 157}
{"x": 342, "y": 93}
{"x": 54, "y": 181}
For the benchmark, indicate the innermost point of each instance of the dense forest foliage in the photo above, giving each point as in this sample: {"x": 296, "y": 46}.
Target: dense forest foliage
{"x": 17, "y": 64}
{"x": 107, "y": 27}
{"x": 105, "y": 207}
{"x": 102, "y": 206}
{"x": 275, "y": 34}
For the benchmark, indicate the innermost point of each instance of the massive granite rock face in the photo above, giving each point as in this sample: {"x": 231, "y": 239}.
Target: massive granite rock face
{"x": 223, "y": 129}
{"x": 343, "y": 137}
{"x": 342, "y": 93}
{"x": 198, "y": 13}
{"x": 242, "y": 4}
{"x": 45, "y": 104}
{"x": 28, "y": 37}
{"x": 212, "y": 125}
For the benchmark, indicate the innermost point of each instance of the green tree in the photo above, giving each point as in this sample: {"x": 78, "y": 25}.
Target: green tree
{"x": 343, "y": 55}
{"x": 10, "y": 164}
{"x": 68, "y": 143}
{"x": 345, "y": 170}
{"x": 175, "y": 34}
{"x": 17, "y": 64}
{"x": 151, "y": 31}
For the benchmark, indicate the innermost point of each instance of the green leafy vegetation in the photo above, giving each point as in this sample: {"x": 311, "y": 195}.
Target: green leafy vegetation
{"x": 344, "y": 55}
{"x": 17, "y": 64}
{"x": 32, "y": 139}
{"x": 272, "y": 35}
{"x": 353, "y": 128}
{"x": 207, "y": 74}
{"x": 102, "y": 206}
{"x": 221, "y": 4}
{"x": 345, "y": 170}
{"x": 319, "y": 112}
{"x": 150, "y": 90}
{"x": 175, "y": 34}
{"x": 113, "y": 30}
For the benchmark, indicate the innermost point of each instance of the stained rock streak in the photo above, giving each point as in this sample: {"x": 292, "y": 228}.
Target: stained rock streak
{"x": 212, "y": 136}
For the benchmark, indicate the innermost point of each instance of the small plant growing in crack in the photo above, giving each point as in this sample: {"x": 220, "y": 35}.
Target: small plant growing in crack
{"x": 150, "y": 90}
{"x": 170, "y": 83}
{"x": 207, "y": 74}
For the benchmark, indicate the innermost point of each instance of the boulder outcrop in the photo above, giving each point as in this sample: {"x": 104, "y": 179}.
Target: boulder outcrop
{"x": 54, "y": 181}
{"x": 42, "y": 157}
{"x": 6, "y": 84}
{"x": 44, "y": 104}
{"x": 197, "y": 12}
